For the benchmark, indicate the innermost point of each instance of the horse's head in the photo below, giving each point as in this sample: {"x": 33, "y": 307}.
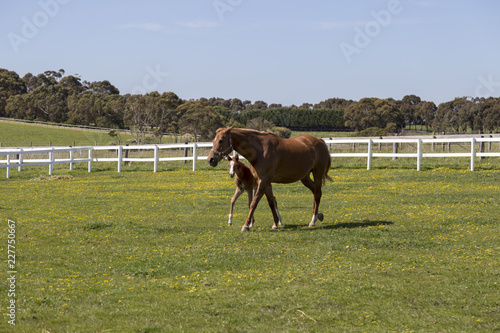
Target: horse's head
{"x": 222, "y": 146}
{"x": 232, "y": 161}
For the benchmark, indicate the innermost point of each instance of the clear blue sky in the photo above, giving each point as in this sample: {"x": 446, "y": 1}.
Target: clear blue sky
{"x": 287, "y": 52}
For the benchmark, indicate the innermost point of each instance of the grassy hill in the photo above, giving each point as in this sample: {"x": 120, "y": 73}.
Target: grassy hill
{"x": 14, "y": 134}
{"x": 20, "y": 134}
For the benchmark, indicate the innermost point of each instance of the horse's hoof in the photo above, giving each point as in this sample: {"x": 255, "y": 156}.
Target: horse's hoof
{"x": 275, "y": 227}
{"x": 311, "y": 225}
{"x": 320, "y": 216}
{"x": 245, "y": 229}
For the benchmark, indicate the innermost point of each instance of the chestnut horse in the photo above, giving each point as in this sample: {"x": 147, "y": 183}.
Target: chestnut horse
{"x": 276, "y": 160}
{"x": 245, "y": 179}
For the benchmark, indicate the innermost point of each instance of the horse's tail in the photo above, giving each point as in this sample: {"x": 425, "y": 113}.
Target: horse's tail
{"x": 325, "y": 175}
{"x": 328, "y": 165}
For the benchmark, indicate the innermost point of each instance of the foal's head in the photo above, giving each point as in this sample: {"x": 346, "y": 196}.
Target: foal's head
{"x": 222, "y": 146}
{"x": 234, "y": 165}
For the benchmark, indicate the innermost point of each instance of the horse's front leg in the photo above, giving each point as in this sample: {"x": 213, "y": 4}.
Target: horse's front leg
{"x": 251, "y": 194}
{"x": 255, "y": 201}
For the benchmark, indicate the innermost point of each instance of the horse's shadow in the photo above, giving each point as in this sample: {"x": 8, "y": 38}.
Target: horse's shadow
{"x": 345, "y": 225}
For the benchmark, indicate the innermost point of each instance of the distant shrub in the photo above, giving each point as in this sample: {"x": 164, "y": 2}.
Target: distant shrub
{"x": 391, "y": 128}
{"x": 282, "y": 132}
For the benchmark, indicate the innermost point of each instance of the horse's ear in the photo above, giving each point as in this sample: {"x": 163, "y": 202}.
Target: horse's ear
{"x": 236, "y": 158}
{"x": 229, "y": 159}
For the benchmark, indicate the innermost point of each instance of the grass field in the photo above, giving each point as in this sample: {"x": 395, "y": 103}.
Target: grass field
{"x": 137, "y": 251}
{"x": 23, "y": 134}
{"x": 399, "y": 250}
{"x": 19, "y": 134}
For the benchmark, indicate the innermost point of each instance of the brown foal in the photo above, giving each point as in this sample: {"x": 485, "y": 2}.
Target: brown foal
{"x": 246, "y": 180}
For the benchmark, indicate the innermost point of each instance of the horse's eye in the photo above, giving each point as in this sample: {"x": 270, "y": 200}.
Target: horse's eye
{"x": 221, "y": 141}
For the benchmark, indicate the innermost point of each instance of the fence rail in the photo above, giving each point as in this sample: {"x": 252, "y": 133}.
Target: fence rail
{"x": 472, "y": 147}
{"x": 473, "y": 151}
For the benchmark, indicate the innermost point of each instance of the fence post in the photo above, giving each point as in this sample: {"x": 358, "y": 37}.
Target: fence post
{"x": 472, "y": 153}
{"x": 120, "y": 158}
{"x": 185, "y": 152}
{"x": 481, "y": 148}
{"x": 194, "y": 156}
{"x": 126, "y": 154}
{"x": 419, "y": 153}
{"x": 8, "y": 168}
{"x": 156, "y": 160}
{"x": 71, "y": 159}
{"x": 90, "y": 159}
{"x": 20, "y": 159}
{"x": 395, "y": 146}
{"x": 51, "y": 165}
{"x": 369, "y": 162}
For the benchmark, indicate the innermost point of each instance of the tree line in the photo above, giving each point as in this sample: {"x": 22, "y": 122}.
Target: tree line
{"x": 56, "y": 97}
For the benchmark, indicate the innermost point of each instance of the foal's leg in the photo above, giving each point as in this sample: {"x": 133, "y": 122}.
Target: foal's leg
{"x": 233, "y": 201}
{"x": 255, "y": 201}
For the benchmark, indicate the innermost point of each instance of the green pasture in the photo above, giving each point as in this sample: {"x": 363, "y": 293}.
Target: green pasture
{"x": 14, "y": 134}
{"x": 18, "y": 134}
{"x": 137, "y": 251}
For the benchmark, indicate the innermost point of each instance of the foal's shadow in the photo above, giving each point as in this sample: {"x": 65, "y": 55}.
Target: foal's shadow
{"x": 346, "y": 225}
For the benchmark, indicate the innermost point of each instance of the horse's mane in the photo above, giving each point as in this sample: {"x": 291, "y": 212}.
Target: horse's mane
{"x": 246, "y": 130}
{"x": 255, "y": 131}
{"x": 224, "y": 129}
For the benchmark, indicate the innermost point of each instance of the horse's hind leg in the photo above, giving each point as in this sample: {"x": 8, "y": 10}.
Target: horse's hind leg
{"x": 273, "y": 205}
{"x": 315, "y": 188}
{"x": 318, "y": 183}
{"x": 233, "y": 201}
{"x": 277, "y": 211}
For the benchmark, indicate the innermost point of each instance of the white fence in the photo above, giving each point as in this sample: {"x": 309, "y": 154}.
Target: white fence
{"x": 20, "y": 157}
{"x": 20, "y": 161}
{"x": 473, "y": 149}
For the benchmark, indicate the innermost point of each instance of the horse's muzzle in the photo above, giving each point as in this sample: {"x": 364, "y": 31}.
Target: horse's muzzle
{"x": 213, "y": 161}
